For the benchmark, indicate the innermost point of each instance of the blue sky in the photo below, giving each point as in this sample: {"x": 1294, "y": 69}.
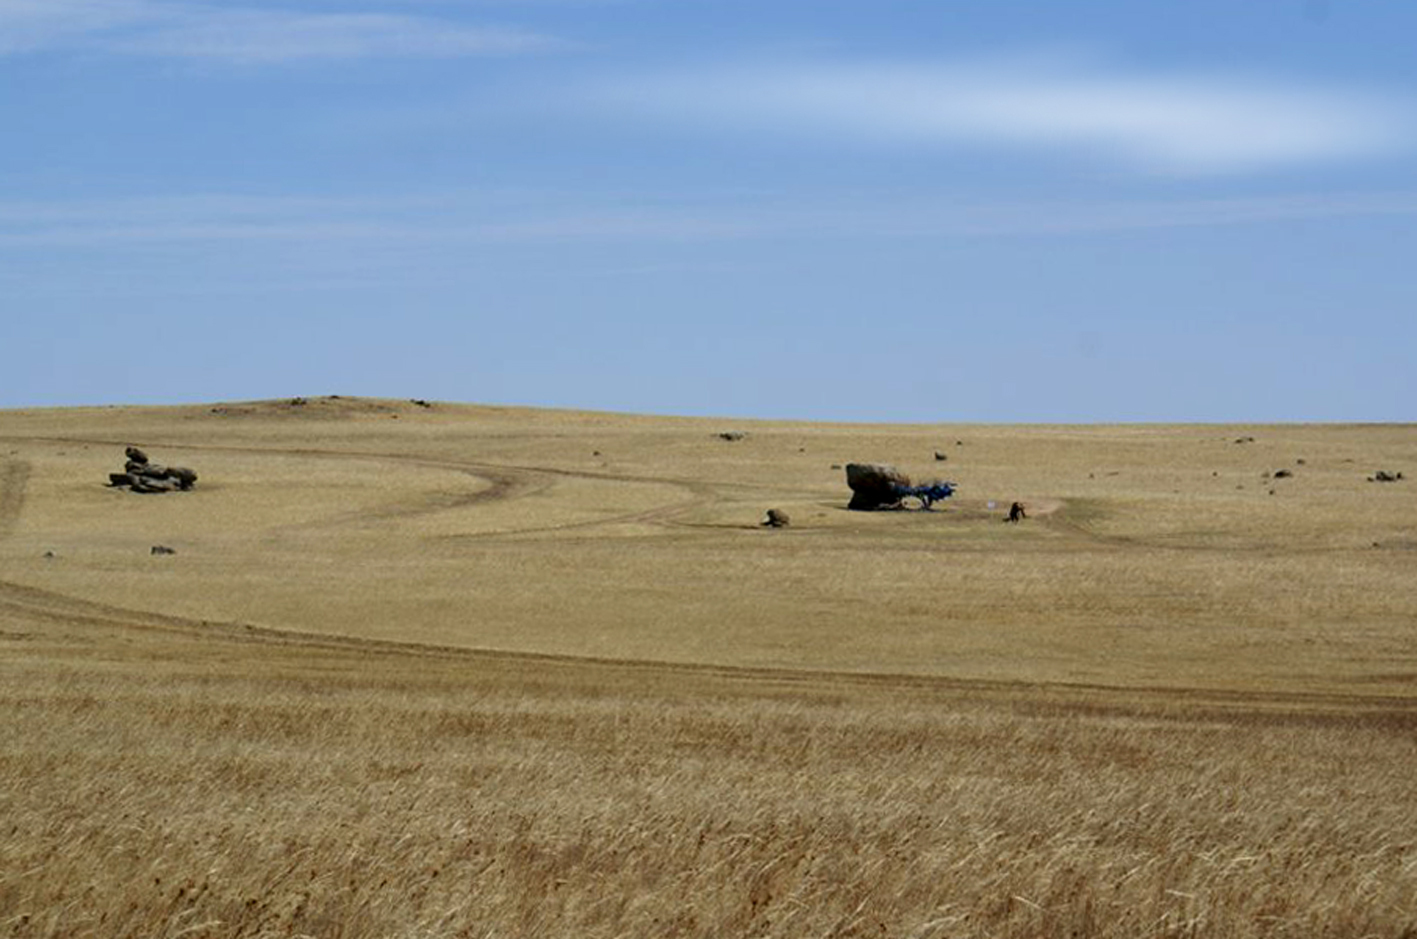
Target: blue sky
{"x": 883, "y": 211}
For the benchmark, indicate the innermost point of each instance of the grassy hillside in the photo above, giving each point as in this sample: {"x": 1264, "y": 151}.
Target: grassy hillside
{"x": 467, "y": 671}
{"x": 1154, "y": 556}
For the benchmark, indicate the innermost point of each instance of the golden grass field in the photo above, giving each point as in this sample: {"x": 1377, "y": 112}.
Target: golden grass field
{"x": 490, "y": 672}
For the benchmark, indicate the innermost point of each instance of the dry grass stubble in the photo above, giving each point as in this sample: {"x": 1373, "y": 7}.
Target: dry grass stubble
{"x": 1172, "y": 705}
{"x": 176, "y": 787}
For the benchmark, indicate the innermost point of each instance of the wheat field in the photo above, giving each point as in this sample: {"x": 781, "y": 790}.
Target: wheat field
{"x": 425, "y": 671}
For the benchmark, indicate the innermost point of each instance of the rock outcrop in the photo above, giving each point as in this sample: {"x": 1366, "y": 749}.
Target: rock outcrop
{"x": 141, "y": 475}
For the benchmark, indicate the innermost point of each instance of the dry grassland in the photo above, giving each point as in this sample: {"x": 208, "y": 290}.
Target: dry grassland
{"x": 457, "y": 671}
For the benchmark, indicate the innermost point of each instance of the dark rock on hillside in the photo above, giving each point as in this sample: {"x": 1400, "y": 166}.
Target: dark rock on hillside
{"x": 141, "y": 475}
{"x": 874, "y": 485}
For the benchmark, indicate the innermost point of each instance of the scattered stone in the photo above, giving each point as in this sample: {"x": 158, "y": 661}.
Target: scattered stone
{"x": 1383, "y": 476}
{"x": 1244, "y": 439}
{"x": 49, "y": 554}
{"x": 731, "y": 435}
{"x": 836, "y": 466}
{"x": 941, "y": 456}
{"x": 163, "y": 549}
{"x": 1300, "y": 461}
{"x": 776, "y": 518}
{"x": 135, "y": 455}
{"x": 1283, "y": 474}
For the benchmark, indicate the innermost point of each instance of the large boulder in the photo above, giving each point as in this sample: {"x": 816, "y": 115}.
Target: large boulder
{"x": 140, "y": 475}
{"x": 874, "y": 485}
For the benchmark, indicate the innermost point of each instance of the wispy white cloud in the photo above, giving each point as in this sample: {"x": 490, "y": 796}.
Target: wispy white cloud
{"x": 455, "y": 220}
{"x": 244, "y": 34}
{"x": 1194, "y": 123}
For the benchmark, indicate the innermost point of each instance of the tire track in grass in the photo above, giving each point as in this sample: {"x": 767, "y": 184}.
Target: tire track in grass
{"x": 506, "y": 481}
{"x": 28, "y": 605}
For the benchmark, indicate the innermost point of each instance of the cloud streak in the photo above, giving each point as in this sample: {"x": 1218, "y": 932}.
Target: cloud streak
{"x": 1186, "y": 123}
{"x": 453, "y": 219}
{"x": 244, "y": 34}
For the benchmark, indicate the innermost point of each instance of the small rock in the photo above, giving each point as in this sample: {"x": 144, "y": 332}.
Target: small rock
{"x": 941, "y": 456}
{"x": 163, "y": 549}
{"x": 731, "y": 435}
{"x": 136, "y": 455}
{"x": 49, "y": 554}
{"x": 776, "y": 518}
{"x": 1283, "y": 474}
